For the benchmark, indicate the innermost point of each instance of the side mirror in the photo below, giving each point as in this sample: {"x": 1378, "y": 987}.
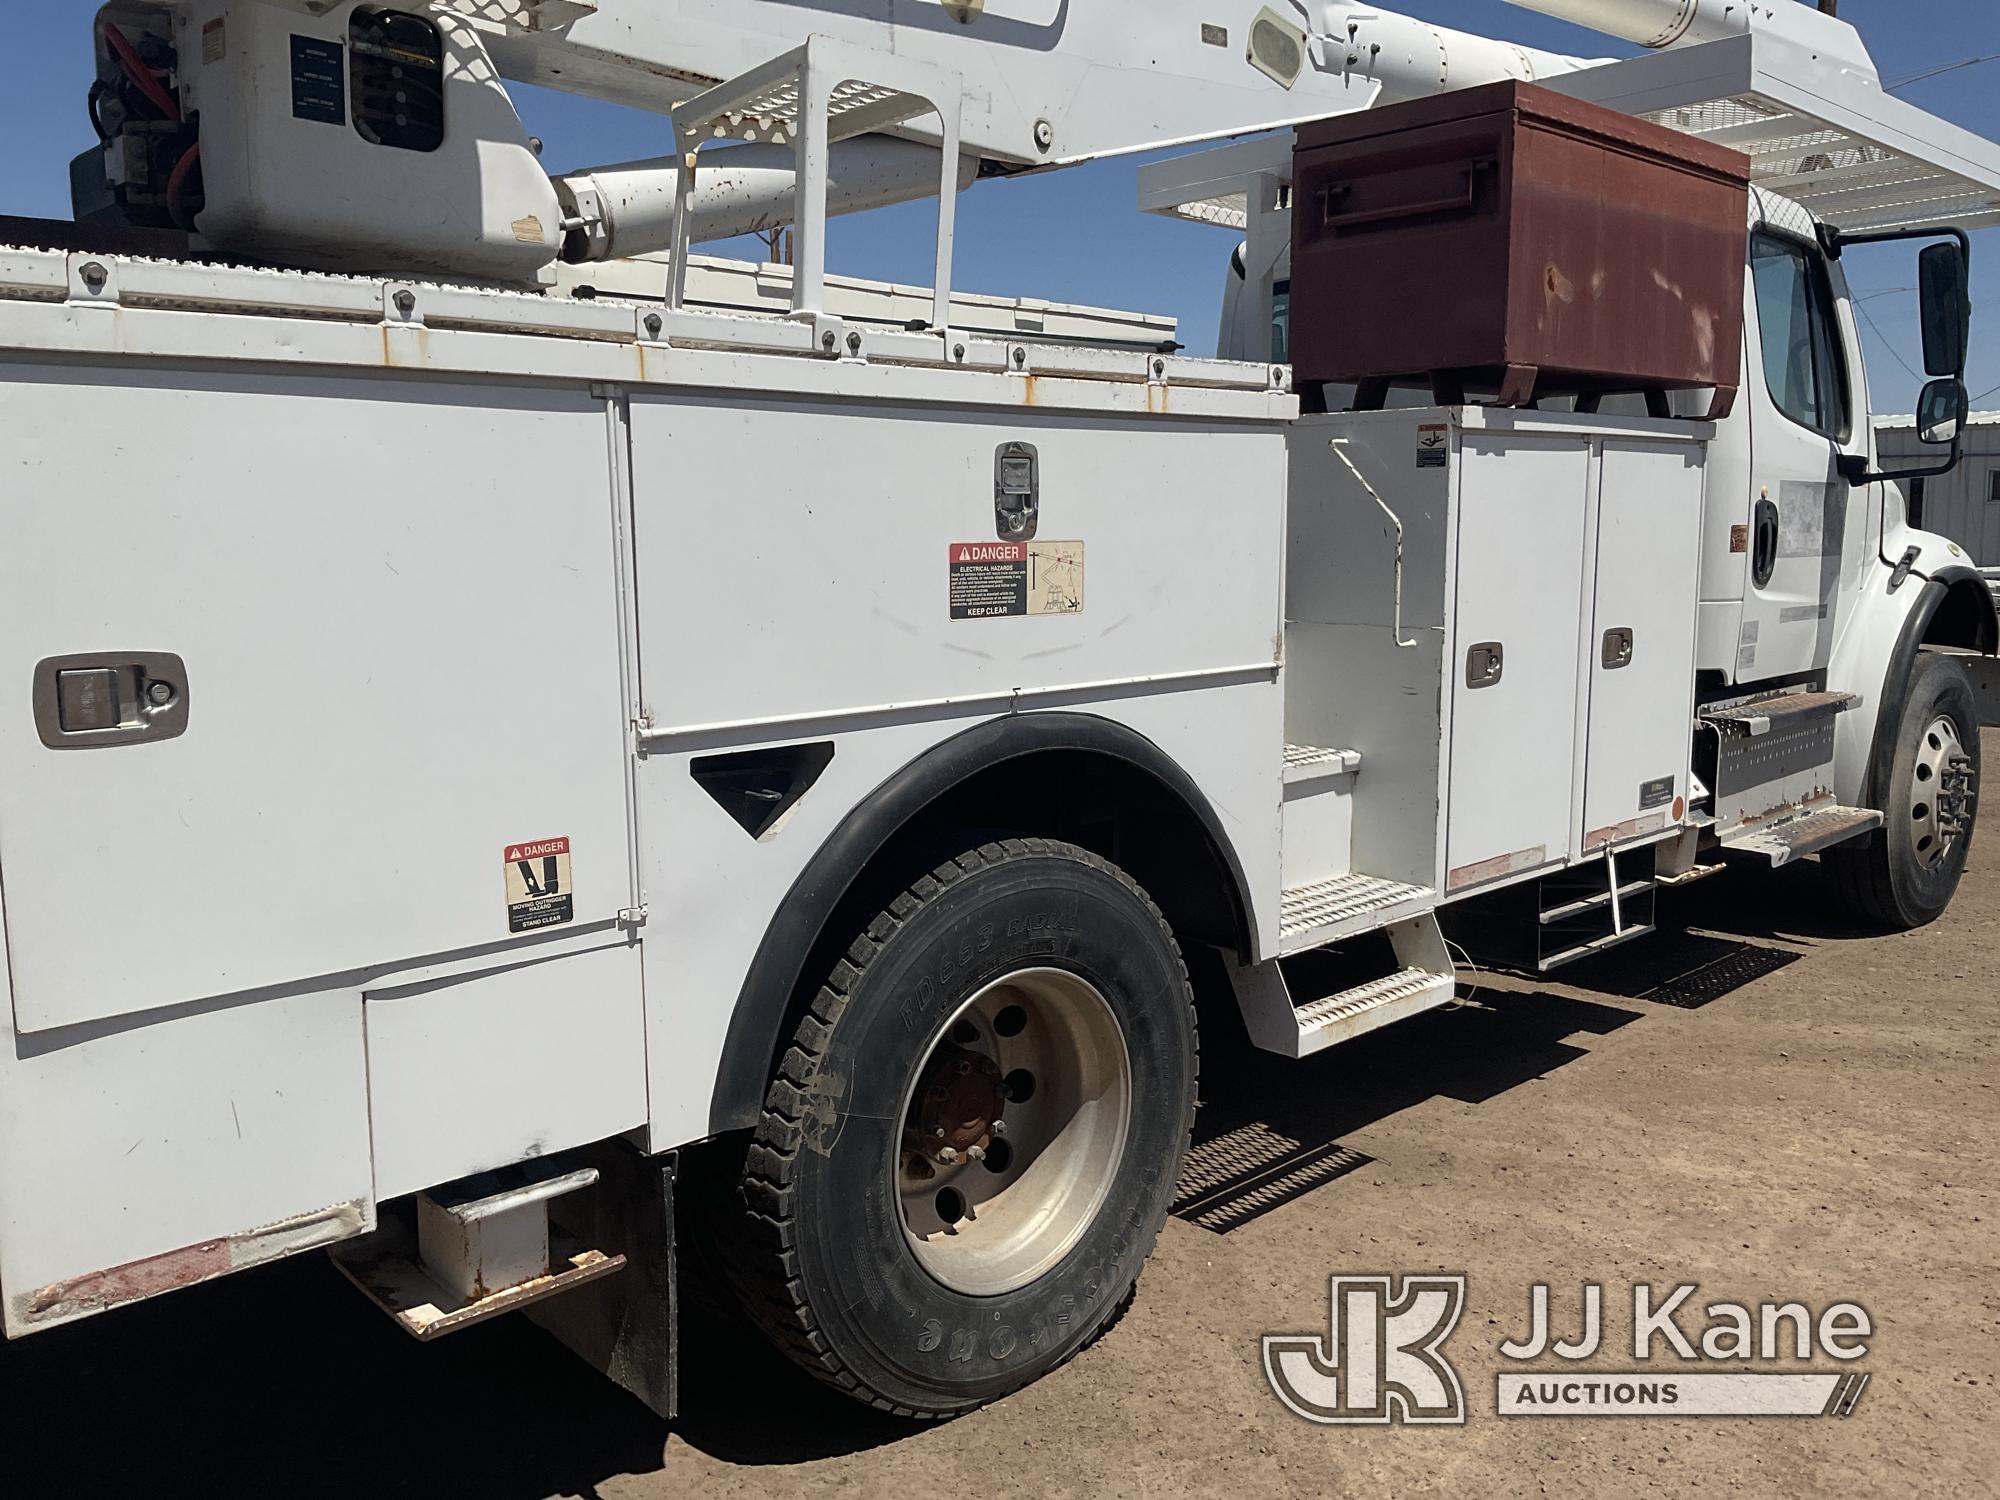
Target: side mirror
{"x": 1941, "y": 411}
{"x": 1946, "y": 300}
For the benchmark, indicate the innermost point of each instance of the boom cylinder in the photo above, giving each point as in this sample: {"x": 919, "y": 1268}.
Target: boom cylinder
{"x": 627, "y": 210}
{"x": 1655, "y": 23}
{"x": 1412, "y": 59}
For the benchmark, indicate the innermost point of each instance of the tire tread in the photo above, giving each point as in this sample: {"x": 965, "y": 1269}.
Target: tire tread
{"x": 765, "y": 1271}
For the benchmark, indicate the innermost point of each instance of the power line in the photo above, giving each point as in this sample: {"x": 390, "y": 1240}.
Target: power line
{"x": 1870, "y": 319}
{"x": 1969, "y": 62}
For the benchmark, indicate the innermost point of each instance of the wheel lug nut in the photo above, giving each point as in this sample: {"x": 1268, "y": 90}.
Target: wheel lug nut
{"x": 964, "y": 1067}
{"x": 998, "y": 1127}
{"x": 976, "y": 1153}
{"x": 948, "y": 1156}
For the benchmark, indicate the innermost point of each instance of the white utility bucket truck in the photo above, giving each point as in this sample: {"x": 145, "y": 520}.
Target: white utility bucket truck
{"x": 480, "y": 755}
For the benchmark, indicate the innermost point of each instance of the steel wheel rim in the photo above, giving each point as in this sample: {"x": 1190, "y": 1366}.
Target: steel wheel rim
{"x": 1941, "y": 792}
{"x": 1025, "y": 1197}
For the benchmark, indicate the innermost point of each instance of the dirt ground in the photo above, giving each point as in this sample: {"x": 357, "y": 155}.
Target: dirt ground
{"x": 1754, "y": 1100}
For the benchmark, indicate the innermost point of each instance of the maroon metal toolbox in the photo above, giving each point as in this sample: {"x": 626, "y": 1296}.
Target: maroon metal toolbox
{"x": 1512, "y": 240}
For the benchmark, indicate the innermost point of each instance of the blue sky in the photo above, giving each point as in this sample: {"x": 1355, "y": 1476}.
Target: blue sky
{"x": 1073, "y": 236}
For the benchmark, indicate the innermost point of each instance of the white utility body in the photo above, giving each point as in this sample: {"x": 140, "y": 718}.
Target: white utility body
{"x": 500, "y": 727}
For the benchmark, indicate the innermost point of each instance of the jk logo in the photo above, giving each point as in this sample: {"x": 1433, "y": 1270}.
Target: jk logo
{"x": 1380, "y": 1360}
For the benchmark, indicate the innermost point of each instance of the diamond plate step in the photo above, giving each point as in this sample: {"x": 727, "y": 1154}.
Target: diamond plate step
{"x": 1807, "y": 834}
{"x": 1377, "y": 1003}
{"x": 1311, "y": 916}
{"x": 1763, "y": 715}
{"x": 1311, "y": 762}
{"x": 1292, "y": 1024}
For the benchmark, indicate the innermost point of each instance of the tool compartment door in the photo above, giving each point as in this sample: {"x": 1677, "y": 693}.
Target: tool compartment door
{"x": 396, "y": 600}
{"x": 1640, "y": 654}
{"x": 1522, "y": 509}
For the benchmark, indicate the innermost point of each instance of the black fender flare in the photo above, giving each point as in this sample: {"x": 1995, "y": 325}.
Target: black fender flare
{"x": 1903, "y": 660}
{"x": 755, "y": 1026}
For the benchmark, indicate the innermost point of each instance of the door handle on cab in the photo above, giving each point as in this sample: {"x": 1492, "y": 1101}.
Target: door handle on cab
{"x": 1764, "y": 543}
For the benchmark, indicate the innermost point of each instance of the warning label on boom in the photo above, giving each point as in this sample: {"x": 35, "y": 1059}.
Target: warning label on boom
{"x": 539, "y": 893}
{"x": 993, "y": 579}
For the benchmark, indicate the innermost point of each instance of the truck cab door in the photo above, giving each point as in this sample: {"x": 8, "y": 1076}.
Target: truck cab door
{"x": 1803, "y": 415}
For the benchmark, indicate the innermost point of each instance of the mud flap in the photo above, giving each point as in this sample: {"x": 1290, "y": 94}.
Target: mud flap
{"x": 627, "y": 1326}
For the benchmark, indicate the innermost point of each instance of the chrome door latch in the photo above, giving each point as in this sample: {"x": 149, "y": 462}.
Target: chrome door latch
{"x": 103, "y": 698}
{"x": 1017, "y": 491}
{"x": 1617, "y": 648}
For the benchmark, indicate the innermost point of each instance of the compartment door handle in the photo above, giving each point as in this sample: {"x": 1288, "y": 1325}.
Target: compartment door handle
{"x": 100, "y": 698}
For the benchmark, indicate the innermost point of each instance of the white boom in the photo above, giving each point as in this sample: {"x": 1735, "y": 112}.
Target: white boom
{"x": 1042, "y": 83}
{"x": 1047, "y": 85}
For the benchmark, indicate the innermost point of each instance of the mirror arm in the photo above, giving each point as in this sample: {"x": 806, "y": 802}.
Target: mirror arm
{"x": 1854, "y": 468}
{"x": 1833, "y": 240}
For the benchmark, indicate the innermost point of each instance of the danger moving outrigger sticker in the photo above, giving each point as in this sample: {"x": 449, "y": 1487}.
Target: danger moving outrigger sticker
{"x": 539, "y": 892}
{"x": 996, "y": 579}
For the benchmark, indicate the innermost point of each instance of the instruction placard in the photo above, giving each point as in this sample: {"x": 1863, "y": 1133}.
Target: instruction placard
{"x": 319, "y": 81}
{"x": 539, "y": 892}
{"x": 996, "y": 579}
{"x": 1433, "y": 445}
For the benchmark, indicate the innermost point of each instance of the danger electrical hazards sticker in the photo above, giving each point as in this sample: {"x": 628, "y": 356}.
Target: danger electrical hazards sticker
{"x": 539, "y": 891}
{"x": 996, "y": 579}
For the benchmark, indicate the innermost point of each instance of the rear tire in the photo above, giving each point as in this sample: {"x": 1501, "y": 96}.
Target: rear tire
{"x": 1905, "y": 874}
{"x": 898, "y": 1245}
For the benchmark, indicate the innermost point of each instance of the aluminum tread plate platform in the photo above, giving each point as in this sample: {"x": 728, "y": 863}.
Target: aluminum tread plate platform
{"x": 1313, "y": 762}
{"x": 1763, "y": 715}
{"x": 1392, "y": 990}
{"x": 1312, "y": 915}
{"x": 1808, "y": 834}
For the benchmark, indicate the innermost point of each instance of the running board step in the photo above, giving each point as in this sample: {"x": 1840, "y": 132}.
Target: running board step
{"x": 483, "y": 1246}
{"x": 1584, "y": 911}
{"x": 1763, "y": 716}
{"x": 1325, "y": 911}
{"x": 1594, "y": 946}
{"x": 1280, "y": 1021}
{"x": 1808, "y": 833}
{"x": 1314, "y": 763}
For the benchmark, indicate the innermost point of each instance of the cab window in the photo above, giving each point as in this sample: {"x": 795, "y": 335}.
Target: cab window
{"x": 1801, "y": 337}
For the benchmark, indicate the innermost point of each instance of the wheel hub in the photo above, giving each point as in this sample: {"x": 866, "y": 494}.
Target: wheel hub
{"x": 990, "y": 1202}
{"x": 1943, "y": 792}
{"x": 959, "y": 1100}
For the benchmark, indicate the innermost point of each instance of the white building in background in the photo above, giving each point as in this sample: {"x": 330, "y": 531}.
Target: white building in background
{"x": 1964, "y": 504}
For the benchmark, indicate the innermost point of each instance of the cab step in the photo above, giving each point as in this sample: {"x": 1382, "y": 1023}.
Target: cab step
{"x": 1418, "y": 978}
{"x": 1773, "y": 764}
{"x": 1783, "y": 840}
{"x": 1776, "y": 715}
{"x": 1325, "y": 911}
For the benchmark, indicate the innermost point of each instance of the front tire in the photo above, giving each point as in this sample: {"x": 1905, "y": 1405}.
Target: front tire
{"x": 973, "y": 1140}
{"x": 1905, "y": 874}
